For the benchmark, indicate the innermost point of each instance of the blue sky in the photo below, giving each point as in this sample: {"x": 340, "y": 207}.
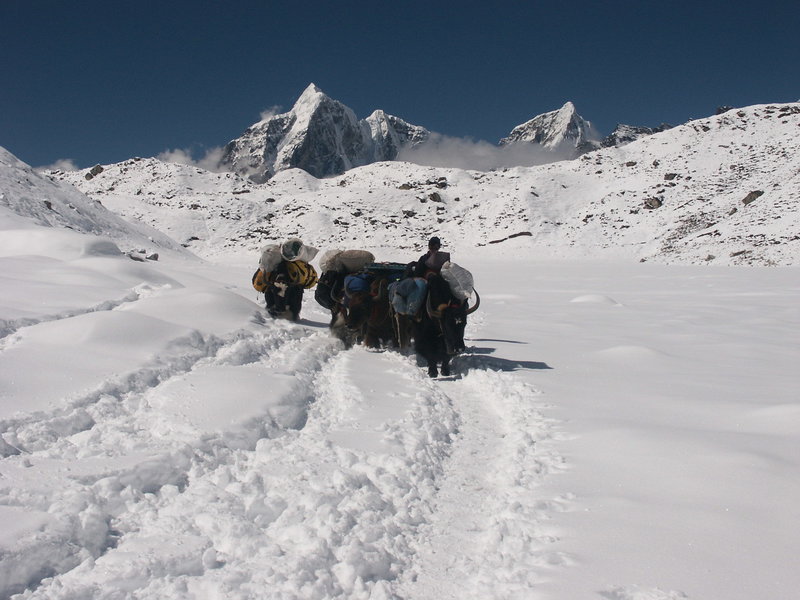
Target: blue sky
{"x": 100, "y": 82}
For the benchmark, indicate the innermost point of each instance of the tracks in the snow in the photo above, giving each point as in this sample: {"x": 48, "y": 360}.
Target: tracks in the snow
{"x": 102, "y": 456}
{"x": 486, "y": 537}
{"x": 396, "y": 484}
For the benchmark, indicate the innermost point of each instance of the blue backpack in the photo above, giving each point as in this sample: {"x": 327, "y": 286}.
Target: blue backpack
{"x": 357, "y": 282}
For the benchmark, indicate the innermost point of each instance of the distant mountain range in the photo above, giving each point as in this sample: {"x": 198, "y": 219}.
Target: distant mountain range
{"x": 324, "y": 137}
{"x": 721, "y": 190}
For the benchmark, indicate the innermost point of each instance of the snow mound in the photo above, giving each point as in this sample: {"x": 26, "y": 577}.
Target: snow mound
{"x": 635, "y": 592}
{"x": 595, "y": 299}
{"x": 631, "y": 353}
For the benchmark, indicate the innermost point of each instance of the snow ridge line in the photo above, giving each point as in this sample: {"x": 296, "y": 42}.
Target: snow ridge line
{"x": 11, "y": 326}
{"x": 103, "y": 509}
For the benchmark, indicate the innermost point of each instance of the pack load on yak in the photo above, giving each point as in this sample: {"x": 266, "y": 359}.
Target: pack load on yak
{"x": 366, "y": 308}
{"x": 459, "y": 279}
{"x": 345, "y": 261}
{"x": 408, "y": 295}
{"x": 282, "y": 275}
{"x": 335, "y": 265}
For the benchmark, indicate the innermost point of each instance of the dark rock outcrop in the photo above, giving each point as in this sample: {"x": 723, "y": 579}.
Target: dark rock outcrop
{"x": 625, "y": 134}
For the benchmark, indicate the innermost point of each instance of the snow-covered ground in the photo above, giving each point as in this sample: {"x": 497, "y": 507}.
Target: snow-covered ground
{"x": 624, "y": 432}
{"x": 617, "y": 430}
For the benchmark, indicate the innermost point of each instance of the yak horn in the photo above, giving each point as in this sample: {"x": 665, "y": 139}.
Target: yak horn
{"x": 477, "y": 302}
{"x": 433, "y": 314}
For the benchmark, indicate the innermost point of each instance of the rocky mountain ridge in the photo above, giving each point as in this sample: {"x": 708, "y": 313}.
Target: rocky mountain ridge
{"x": 720, "y": 190}
{"x": 625, "y": 134}
{"x": 563, "y": 132}
{"x": 319, "y": 135}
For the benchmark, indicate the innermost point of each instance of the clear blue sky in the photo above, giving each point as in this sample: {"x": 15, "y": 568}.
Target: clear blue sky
{"x": 100, "y": 82}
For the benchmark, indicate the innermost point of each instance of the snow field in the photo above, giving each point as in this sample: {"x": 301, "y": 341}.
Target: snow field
{"x": 298, "y": 512}
{"x": 83, "y": 468}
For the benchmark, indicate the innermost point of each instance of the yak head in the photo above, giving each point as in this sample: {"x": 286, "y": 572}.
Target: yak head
{"x": 359, "y": 307}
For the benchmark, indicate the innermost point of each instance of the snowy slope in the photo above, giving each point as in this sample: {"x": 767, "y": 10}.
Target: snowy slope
{"x": 674, "y": 197}
{"x": 616, "y": 431}
{"x": 29, "y": 200}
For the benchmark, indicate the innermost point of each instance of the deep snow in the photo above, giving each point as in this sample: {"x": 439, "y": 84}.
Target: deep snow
{"x": 633, "y": 437}
{"x": 616, "y": 430}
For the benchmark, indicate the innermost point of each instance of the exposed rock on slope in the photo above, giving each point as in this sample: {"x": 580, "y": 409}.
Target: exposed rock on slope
{"x": 625, "y": 134}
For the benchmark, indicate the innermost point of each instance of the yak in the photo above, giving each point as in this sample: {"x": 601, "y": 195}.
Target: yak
{"x": 329, "y": 294}
{"x": 369, "y": 315}
{"x": 438, "y": 330}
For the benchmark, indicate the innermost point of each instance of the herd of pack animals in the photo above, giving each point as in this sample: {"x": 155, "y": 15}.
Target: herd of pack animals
{"x": 423, "y": 304}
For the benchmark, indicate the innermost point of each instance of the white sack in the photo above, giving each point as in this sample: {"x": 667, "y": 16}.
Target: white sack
{"x": 270, "y": 257}
{"x": 459, "y": 279}
{"x": 352, "y": 261}
{"x": 295, "y": 249}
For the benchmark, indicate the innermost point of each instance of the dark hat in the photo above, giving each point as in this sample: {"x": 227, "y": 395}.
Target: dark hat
{"x": 434, "y": 241}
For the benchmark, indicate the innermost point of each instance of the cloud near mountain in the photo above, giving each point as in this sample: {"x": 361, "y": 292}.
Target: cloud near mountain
{"x": 479, "y": 155}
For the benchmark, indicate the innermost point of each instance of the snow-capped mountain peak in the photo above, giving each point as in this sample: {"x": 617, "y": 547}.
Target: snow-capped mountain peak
{"x": 562, "y": 130}
{"x": 312, "y": 94}
{"x": 319, "y": 135}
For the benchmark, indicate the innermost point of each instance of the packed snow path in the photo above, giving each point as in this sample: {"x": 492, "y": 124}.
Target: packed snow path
{"x": 485, "y": 537}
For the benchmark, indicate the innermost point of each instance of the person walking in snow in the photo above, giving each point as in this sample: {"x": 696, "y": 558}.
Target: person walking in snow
{"x": 432, "y": 260}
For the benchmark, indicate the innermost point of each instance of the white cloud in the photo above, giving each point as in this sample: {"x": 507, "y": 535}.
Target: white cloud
{"x": 62, "y": 164}
{"x": 209, "y": 161}
{"x": 465, "y": 153}
{"x": 270, "y": 112}
{"x": 182, "y": 157}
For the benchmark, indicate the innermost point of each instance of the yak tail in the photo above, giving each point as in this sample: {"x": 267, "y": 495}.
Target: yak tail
{"x": 382, "y": 293}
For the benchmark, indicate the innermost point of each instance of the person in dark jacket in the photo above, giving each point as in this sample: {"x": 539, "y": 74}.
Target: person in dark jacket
{"x": 432, "y": 260}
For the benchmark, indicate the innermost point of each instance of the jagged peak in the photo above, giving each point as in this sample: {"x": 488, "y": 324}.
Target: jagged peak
{"x": 311, "y": 92}
{"x": 309, "y": 100}
{"x": 568, "y": 107}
